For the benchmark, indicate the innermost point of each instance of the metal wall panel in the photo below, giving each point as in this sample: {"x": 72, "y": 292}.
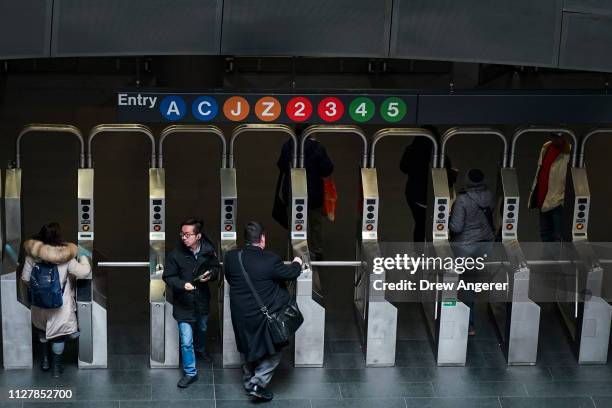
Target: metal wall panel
{"x": 136, "y": 27}
{"x": 588, "y": 6}
{"x": 522, "y": 32}
{"x": 25, "y": 28}
{"x": 586, "y": 42}
{"x": 307, "y": 27}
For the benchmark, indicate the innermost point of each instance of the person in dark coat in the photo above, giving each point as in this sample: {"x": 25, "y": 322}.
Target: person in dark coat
{"x": 188, "y": 269}
{"x": 268, "y": 274}
{"x": 318, "y": 166}
{"x": 416, "y": 164}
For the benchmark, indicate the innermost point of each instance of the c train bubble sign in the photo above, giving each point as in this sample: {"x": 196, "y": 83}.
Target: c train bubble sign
{"x": 312, "y": 108}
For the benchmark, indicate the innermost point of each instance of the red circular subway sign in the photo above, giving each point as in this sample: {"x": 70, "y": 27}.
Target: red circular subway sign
{"x": 299, "y": 109}
{"x": 330, "y": 109}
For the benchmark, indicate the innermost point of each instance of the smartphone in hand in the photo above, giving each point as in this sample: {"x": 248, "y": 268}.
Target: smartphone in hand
{"x": 202, "y": 276}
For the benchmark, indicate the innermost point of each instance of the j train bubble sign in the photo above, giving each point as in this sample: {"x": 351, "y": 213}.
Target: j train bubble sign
{"x": 356, "y": 109}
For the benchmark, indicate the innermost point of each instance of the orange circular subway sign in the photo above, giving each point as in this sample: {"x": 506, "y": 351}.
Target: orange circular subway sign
{"x": 236, "y": 108}
{"x": 268, "y": 109}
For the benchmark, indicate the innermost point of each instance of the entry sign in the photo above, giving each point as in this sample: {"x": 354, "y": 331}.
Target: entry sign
{"x": 140, "y": 106}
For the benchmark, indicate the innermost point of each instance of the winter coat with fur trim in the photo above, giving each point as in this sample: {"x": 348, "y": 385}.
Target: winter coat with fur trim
{"x": 63, "y": 320}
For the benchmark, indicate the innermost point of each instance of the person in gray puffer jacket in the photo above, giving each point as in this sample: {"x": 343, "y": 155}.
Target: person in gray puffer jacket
{"x": 468, "y": 222}
{"x": 471, "y": 227}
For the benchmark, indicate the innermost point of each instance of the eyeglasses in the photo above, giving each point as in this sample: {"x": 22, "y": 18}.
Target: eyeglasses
{"x": 187, "y": 235}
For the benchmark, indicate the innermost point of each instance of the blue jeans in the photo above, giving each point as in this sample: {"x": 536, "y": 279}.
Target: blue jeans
{"x": 472, "y": 250}
{"x": 186, "y": 336}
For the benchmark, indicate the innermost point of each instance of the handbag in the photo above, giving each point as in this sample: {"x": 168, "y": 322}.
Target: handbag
{"x": 330, "y": 198}
{"x": 282, "y": 324}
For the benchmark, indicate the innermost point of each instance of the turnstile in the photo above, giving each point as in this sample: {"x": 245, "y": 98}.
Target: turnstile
{"x": 229, "y": 200}
{"x": 379, "y": 316}
{"x": 16, "y": 316}
{"x": 165, "y": 343}
{"x": 446, "y": 316}
{"x": 516, "y": 316}
{"x": 96, "y": 291}
{"x": 229, "y": 214}
{"x": 589, "y": 319}
{"x": 312, "y": 355}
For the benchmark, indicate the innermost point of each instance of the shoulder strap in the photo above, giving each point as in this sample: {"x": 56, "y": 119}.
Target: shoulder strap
{"x": 262, "y": 307}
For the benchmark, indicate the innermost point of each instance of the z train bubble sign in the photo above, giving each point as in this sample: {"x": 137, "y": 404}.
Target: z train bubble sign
{"x": 357, "y": 109}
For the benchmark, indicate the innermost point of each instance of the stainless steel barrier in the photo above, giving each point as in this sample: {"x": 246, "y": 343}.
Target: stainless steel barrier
{"x": 96, "y": 290}
{"x": 16, "y": 316}
{"x": 165, "y": 344}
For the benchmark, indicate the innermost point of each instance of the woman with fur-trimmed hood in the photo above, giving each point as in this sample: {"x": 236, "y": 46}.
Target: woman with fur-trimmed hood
{"x": 55, "y": 325}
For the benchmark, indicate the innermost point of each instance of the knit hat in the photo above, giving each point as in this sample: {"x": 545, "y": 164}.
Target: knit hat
{"x": 474, "y": 178}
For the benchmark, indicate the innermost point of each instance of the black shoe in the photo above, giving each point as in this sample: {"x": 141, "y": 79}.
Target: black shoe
{"x": 186, "y": 380}
{"x": 57, "y": 368}
{"x": 44, "y": 362}
{"x": 248, "y": 388}
{"x": 261, "y": 393}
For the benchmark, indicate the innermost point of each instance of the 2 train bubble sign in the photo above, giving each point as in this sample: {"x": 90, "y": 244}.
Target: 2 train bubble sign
{"x": 345, "y": 109}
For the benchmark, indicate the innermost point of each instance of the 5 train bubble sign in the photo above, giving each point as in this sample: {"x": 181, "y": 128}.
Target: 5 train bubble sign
{"x": 341, "y": 109}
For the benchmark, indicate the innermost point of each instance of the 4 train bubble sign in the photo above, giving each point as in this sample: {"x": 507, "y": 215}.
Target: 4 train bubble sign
{"x": 356, "y": 109}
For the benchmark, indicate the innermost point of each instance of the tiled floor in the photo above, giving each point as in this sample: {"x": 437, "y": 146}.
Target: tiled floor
{"x": 485, "y": 382}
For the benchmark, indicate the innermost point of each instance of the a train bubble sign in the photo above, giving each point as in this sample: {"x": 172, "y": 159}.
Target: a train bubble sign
{"x": 312, "y": 108}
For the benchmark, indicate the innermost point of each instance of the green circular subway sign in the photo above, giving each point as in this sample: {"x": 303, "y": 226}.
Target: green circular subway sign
{"x": 393, "y": 109}
{"x": 362, "y": 109}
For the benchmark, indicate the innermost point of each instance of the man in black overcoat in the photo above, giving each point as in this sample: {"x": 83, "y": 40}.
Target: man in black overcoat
{"x": 268, "y": 274}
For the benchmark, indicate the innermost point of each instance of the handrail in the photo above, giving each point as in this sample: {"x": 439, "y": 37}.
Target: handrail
{"x": 472, "y": 131}
{"x": 407, "y": 132}
{"x": 204, "y": 129}
{"x": 138, "y": 264}
{"x": 535, "y": 129}
{"x": 261, "y": 127}
{"x": 119, "y": 127}
{"x": 50, "y": 128}
{"x": 584, "y": 141}
{"x": 310, "y": 130}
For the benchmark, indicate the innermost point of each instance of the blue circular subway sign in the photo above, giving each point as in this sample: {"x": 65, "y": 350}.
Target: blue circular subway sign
{"x": 205, "y": 108}
{"x": 173, "y": 107}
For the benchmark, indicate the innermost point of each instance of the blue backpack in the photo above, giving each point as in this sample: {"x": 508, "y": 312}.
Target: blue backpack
{"x": 46, "y": 290}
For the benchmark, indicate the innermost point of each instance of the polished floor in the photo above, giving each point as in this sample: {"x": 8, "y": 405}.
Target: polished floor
{"x": 485, "y": 382}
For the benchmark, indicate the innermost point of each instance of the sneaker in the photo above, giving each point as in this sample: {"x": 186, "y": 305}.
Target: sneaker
{"x": 186, "y": 380}
{"x": 472, "y": 331}
{"x": 261, "y": 393}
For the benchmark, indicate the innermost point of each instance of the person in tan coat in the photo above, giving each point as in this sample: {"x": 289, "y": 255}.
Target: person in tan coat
{"x": 548, "y": 189}
{"x": 55, "y": 325}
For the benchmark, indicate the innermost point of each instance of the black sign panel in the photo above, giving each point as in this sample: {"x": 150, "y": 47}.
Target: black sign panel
{"x": 356, "y": 109}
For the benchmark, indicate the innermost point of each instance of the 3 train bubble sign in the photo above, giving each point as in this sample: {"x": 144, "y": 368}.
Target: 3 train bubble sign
{"x": 346, "y": 109}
